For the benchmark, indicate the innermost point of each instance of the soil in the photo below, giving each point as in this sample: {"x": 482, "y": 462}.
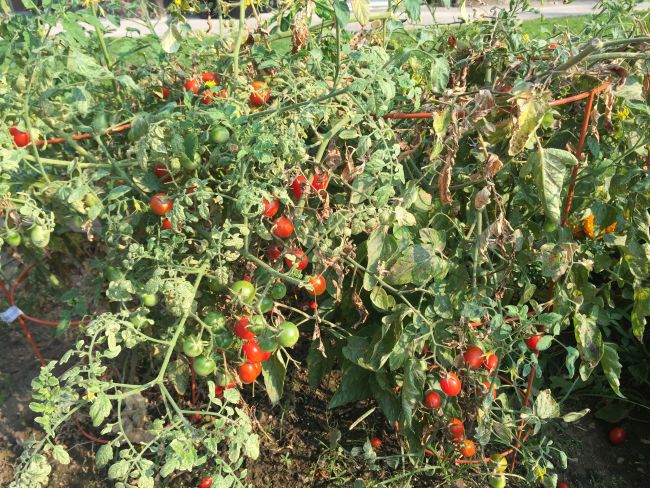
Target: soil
{"x": 303, "y": 443}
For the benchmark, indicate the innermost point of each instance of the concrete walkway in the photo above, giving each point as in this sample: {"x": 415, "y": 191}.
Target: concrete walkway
{"x": 429, "y": 16}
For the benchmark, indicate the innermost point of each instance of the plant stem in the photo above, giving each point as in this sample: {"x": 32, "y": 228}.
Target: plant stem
{"x": 240, "y": 31}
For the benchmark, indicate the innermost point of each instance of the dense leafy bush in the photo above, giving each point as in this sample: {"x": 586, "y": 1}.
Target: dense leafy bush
{"x": 427, "y": 253}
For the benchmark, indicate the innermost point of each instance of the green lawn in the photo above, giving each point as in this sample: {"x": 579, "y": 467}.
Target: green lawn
{"x": 542, "y": 28}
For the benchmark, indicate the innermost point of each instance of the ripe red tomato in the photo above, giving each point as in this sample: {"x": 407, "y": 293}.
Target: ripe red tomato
{"x": 298, "y": 186}
{"x": 253, "y": 352}
{"x": 490, "y": 361}
{"x": 208, "y": 76}
{"x": 161, "y": 204}
{"x": 318, "y": 285}
{"x": 617, "y": 435}
{"x": 241, "y": 329}
{"x": 207, "y": 96}
{"x": 166, "y": 224}
{"x": 563, "y": 484}
{"x": 450, "y": 384}
{"x": 260, "y": 94}
{"x": 162, "y": 172}
{"x": 473, "y": 357}
{"x": 320, "y": 181}
{"x": 468, "y": 448}
{"x": 21, "y": 139}
{"x": 456, "y": 429}
{"x": 299, "y": 259}
{"x": 282, "y": 227}
{"x": 486, "y": 385}
{"x": 248, "y": 372}
{"x": 432, "y": 400}
{"x": 273, "y": 253}
{"x": 205, "y": 483}
{"x": 218, "y": 390}
{"x": 375, "y": 442}
{"x": 193, "y": 85}
{"x": 532, "y": 342}
{"x": 165, "y": 92}
{"x": 271, "y": 208}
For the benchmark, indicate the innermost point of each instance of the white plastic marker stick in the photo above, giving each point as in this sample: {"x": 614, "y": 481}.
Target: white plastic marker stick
{"x": 11, "y": 314}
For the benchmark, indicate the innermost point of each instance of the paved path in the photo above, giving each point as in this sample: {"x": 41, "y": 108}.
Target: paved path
{"x": 550, "y": 9}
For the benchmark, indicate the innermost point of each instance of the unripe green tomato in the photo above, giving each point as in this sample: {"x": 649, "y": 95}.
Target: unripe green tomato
{"x": 550, "y": 226}
{"x": 219, "y": 135}
{"x": 222, "y": 379}
{"x": 243, "y": 291}
{"x": 267, "y": 342}
{"x": 223, "y": 338}
{"x": 215, "y": 320}
{"x": 149, "y": 299}
{"x": 111, "y": 273}
{"x": 257, "y": 324}
{"x": 20, "y": 83}
{"x": 13, "y": 238}
{"x": 266, "y": 304}
{"x": 40, "y": 236}
{"x": 203, "y": 366}
{"x": 220, "y": 280}
{"x": 192, "y": 346}
{"x": 289, "y": 334}
{"x": 90, "y": 199}
{"x": 190, "y": 164}
{"x": 387, "y": 217}
{"x": 498, "y": 481}
{"x": 278, "y": 291}
{"x": 138, "y": 320}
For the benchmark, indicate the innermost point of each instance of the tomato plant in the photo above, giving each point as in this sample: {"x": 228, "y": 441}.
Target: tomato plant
{"x": 469, "y": 195}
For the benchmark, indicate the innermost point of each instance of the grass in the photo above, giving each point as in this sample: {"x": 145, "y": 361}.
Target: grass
{"x": 545, "y": 27}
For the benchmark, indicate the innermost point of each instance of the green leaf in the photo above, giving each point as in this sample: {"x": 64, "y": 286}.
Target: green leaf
{"x": 418, "y": 264}
{"x": 119, "y": 470}
{"x": 412, "y": 388}
{"x": 100, "y": 409}
{"x": 571, "y": 356}
{"x": 375, "y": 246}
{"x": 354, "y": 386}
{"x": 532, "y": 108}
{"x": 274, "y": 371}
{"x": 317, "y": 364}
{"x": 190, "y": 144}
{"x": 439, "y": 79}
{"x": 590, "y": 343}
{"x": 104, "y": 455}
{"x": 178, "y": 373}
{"x": 252, "y": 446}
{"x": 640, "y": 311}
{"x": 545, "y": 406}
{"x": 361, "y": 10}
{"x": 342, "y": 12}
{"x": 549, "y": 169}
{"x": 118, "y": 192}
{"x": 382, "y": 300}
{"x": 171, "y": 40}
{"x": 574, "y": 416}
{"x": 613, "y": 412}
{"x": 386, "y": 397}
{"x": 86, "y": 66}
{"x": 60, "y": 455}
{"x": 612, "y": 367}
{"x": 413, "y": 9}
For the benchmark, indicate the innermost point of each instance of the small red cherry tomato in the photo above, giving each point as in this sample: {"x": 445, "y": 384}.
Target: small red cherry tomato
{"x": 271, "y": 208}
{"x": 260, "y": 94}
